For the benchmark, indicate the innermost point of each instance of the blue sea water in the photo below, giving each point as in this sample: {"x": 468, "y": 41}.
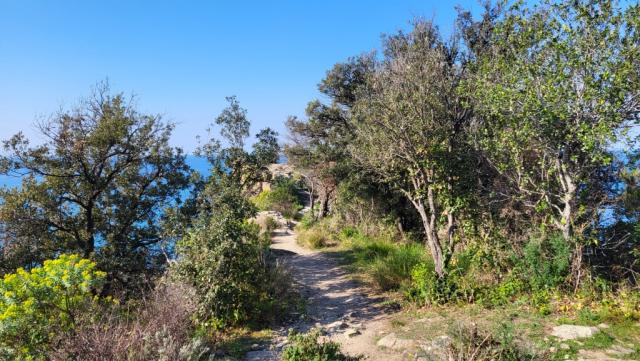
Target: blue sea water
{"x": 197, "y": 163}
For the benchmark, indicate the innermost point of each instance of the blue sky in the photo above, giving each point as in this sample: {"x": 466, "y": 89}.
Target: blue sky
{"x": 181, "y": 58}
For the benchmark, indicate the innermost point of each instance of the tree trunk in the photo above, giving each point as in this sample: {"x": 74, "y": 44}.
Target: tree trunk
{"x": 312, "y": 201}
{"x": 432, "y": 239}
{"x": 324, "y": 204}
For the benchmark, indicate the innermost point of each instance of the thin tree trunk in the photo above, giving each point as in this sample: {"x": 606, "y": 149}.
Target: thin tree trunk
{"x": 432, "y": 240}
{"x": 324, "y": 204}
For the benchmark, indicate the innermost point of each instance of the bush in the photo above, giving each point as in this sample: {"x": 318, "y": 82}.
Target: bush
{"x": 308, "y": 348}
{"x": 221, "y": 258}
{"x": 158, "y": 327}
{"x": 545, "y": 263}
{"x": 47, "y": 301}
{"x": 267, "y": 223}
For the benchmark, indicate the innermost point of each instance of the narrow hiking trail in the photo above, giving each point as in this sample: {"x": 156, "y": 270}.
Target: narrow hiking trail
{"x": 351, "y": 314}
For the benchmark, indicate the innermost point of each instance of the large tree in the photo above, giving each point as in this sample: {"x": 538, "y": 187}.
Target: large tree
{"x": 97, "y": 186}
{"x": 411, "y": 131}
{"x": 560, "y": 85}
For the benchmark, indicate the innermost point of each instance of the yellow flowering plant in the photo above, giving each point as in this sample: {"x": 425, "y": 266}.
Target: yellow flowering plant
{"x": 43, "y": 303}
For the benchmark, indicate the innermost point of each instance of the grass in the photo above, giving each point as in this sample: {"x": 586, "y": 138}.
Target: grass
{"x": 387, "y": 265}
{"x": 239, "y": 341}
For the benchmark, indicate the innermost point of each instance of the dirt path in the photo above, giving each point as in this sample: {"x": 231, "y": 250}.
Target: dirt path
{"x": 351, "y": 314}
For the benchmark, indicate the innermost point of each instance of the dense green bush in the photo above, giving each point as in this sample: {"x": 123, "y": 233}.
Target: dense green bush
{"x": 224, "y": 259}
{"x": 545, "y": 263}
{"x": 38, "y": 305}
{"x": 307, "y": 347}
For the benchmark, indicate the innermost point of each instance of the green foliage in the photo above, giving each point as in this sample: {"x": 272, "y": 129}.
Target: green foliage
{"x": 306, "y": 347}
{"x": 282, "y": 198}
{"x": 314, "y": 238}
{"x": 44, "y": 303}
{"x": 97, "y": 186}
{"x": 556, "y": 90}
{"x": 233, "y": 164}
{"x": 395, "y": 269}
{"x": 222, "y": 259}
{"x": 545, "y": 263}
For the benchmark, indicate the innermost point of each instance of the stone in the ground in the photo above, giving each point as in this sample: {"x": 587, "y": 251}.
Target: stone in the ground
{"x": 394, "y": 342}
{"x": 261, "y": 356}
{"x": 603, "y": 326}
{"x": 337, "y": 325}
{"x": 564, "y": 346}
{"x": 352, "y": 332}
{"x": 572, "y": 332}
{"x": 618, "y": 350}
{"x": 437, "y": 348}
{"x": 594, "y": 355}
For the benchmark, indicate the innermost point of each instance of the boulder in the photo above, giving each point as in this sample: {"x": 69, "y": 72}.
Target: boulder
{"x": 572, "y": 332}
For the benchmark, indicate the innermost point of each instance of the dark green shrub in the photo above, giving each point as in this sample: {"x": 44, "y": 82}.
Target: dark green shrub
{"x": 545, "y": 263}
{"x": 223, "y": 259}
{"x": 308, "y": 348}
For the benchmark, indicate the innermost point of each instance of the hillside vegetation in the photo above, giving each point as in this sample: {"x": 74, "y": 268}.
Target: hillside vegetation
{"x": 490, "y": 175}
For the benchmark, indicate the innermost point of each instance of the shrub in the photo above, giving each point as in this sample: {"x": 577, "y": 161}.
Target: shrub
{"x": 545, "y": 263}
{"x": 46, "y": 301}
{"x": 281, "y": 198}
{"x": 307, "y": 348}
{"x": 222, "y": 259}
{"x": 306, "y": 222}
{"x": 267, "y": 223}
{"x": 158, "y": 327}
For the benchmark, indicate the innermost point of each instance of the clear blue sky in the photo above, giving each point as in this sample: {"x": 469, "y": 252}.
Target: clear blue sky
{"x": 181, "y": 58}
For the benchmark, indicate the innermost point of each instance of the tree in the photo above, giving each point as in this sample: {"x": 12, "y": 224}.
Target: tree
{"x": 233, "y": 163}
{"x": 412, "y": 131}
{"x": 318, "y": 147}
{"x": 558, "y": 88}
{"x": 97, "y": 186}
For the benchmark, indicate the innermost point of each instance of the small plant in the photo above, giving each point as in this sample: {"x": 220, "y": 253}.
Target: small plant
{"x": 470, "y": 344}
{"x": 307, "y": 347}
